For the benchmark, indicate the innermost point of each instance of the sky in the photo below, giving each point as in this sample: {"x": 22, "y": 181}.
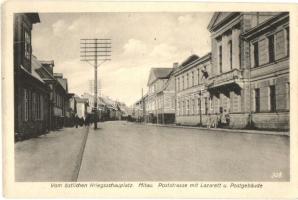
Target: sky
{"x": 140, "y": 41}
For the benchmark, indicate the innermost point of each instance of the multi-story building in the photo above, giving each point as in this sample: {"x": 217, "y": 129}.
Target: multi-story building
{"x": 59, "y": 96}
{"x": 161, "y": 96}
{"x": 269, "y": 72}
{"x": 138, "y": 110}
{"x": 81, "y": 106}
{"x": 192, "y": 97}
{"x": 31, "y": 92}
{"x": 244, "y": 80}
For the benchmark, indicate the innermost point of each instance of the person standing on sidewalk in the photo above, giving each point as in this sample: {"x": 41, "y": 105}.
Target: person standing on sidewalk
{"x": 223, "y": 118}
{"x": 76, "y": 121}
{"x": 216, "y": 119}
{"x": 209, "y": 121}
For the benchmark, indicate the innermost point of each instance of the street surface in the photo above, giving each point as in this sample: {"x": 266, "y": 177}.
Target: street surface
{"x": 51, "y": 157}
{"x": 124, "y": 151}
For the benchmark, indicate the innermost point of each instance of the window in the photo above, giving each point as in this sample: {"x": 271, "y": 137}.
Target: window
{"x": 187, "y": 83}
{"x": 192, "y": 78}
{"x": 27, "y": 45}
{"x": 26, "y": 105}
{"x": 198, "y": 76}
{"x": 272, "y": 98}
{"x": 288, "y": 95}
{"x": 178, "y": 84}
{"x": 199, "y": 105}
{"x": 257, "y": 100}
{"x": 181, "y": 107}
{"x": 288, "y": 41}
{"x": 34, "y": 106}
{"x": 41, "y": 107}
{"x": 256, "y": 54}
{"x": 193, "y": 106}
{"x": 211, "y": 104}
{"x": 182, "y": 82}
{"x": 206, "y": 105}
{"x": 220, "y": 59}
{"x": 271, "y": 48}
{"x": 187, "y": 107}
{"x": 231, "y": 53}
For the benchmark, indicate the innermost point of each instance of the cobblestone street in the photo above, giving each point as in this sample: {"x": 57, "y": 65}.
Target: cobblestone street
{"x": 123, "y": 151}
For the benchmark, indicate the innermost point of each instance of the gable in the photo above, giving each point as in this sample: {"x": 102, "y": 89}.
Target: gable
{"x": 218, "y": 18}
{"x": 152, "y": 77}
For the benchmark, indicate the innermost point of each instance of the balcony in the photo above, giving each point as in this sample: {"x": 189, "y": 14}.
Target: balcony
{"x": 234, "y": 76}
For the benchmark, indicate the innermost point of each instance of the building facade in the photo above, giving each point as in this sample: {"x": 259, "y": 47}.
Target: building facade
{"x": 81, "y": 107}
{"x": 269, "y": 72}
{"x": 59, "y": 97}
{"x": 31, "y": 93}
{"x": 160, "y": 103}
{"x": 139, "y": 110}
{"x": 244, "y": 79}
{"x": 192, "y": 98}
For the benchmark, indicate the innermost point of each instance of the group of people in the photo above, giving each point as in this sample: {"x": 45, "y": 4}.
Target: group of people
{"x": 82, "y": 121}
{"x": 218, "y": 120}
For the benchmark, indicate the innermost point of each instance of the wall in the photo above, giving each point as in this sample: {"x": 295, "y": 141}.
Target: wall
{"x": 81, "y": 110}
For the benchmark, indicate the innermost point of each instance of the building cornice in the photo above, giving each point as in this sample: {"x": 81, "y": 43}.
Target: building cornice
{"x": 268, "y": 24}
{"x": 199, "y": 61}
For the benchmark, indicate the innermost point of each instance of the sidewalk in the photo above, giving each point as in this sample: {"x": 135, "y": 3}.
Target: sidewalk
{"x": 50, "y": 157}
{"x": 285, "y": 133}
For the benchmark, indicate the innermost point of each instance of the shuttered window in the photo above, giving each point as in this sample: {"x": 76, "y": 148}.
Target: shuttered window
{"x": 257, "y": 100}
{"x": 263, "y": 51}
{"x": 280, "y": 50}
{"x": 26, "y": 105}
{"x": 271, "y": 48}
{"x": 256, "y": 54}
{"x": 34, "y": 110}
{"x": 27, "y": 45}
{"x": 272, "y": 98}
{"x": 220, "y": 58}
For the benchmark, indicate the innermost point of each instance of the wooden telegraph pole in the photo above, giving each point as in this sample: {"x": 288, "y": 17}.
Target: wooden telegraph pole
{"x": 95, "y": 52}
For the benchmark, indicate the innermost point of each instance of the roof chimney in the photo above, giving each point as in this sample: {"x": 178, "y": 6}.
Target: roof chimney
{"x": 48, "y": 65}
{"x": 175, "y": 65}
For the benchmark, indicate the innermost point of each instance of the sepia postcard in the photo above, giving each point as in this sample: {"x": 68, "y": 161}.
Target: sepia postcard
{"x": 149, "y": 99}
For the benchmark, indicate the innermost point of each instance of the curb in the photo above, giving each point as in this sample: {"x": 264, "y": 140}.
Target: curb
{"x": 277, "y": 133}
{"x": 78, "y": 163}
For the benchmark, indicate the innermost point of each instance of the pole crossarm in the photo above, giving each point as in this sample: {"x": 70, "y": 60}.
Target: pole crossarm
{"x": 95, "y": 39}
{"x": 95, "y": 52}
{"x": 89, "y": 55}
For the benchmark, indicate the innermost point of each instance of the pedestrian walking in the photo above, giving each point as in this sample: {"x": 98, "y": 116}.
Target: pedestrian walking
{"x": 87, "y": 120}
{"x": 223, "y": 118}
{"x": 76, "y": 120}
{"x": 216, "y": 119}
{"x": 209, "y": 121}
{"x": 227, "y": 116}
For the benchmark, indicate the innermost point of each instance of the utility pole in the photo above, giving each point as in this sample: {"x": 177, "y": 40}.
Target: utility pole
{"x": 95, "y": 52}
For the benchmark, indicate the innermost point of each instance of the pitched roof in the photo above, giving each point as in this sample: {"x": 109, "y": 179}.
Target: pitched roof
{"x": 267, "y": 24}
{"x": 63, "y": 82}
{"x": 162, "y": 72}
{"x": 190, "y": 59}
{"x": 35, "y": 66}
{"x": 81, "y": 100}
{"x": 218, "y": 18}
{"x": 34, "y": 17}
{"x": 189, "y": 65}
{"x": 42, "y": 71}
{"x": 159, "y": 73}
